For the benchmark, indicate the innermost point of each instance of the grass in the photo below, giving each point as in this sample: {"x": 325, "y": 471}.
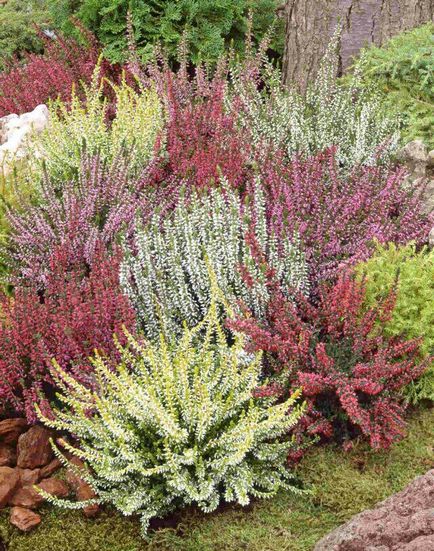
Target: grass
{"x": 341, "y": 484}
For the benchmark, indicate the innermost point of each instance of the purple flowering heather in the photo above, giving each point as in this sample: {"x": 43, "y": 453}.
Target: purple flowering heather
{"x": 339, "y": 216}
{"x": 92, "y": 209}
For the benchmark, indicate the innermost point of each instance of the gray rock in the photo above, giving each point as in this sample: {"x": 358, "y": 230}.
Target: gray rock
{"x": 403, "y": 522}
{"x": 431, "y": 238}
{"x": 415, "y": 156}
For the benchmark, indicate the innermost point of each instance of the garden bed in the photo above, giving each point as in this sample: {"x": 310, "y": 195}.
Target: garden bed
{"x": 342, "y": 485}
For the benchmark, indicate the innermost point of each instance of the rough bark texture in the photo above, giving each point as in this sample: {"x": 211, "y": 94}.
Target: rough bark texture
{"x": 310, "y": 23}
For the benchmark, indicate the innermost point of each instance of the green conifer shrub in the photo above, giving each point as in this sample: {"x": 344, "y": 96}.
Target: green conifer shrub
{"x": 403, "y": 69}
{"x": 210, "y": 26}
{"x": 412, "y": 273}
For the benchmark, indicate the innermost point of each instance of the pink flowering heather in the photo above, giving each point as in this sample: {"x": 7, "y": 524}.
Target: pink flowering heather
{"x": 76, "y": 313}
{"x": 94, "y": 209}
{"x": 339, "y": 216}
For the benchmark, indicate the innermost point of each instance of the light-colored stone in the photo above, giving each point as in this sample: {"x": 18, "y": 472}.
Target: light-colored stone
{"x": 16, "y": 134}
{"x": 415, "y": 156}
{"x": 430, "y": 163}
{"x": 403, "y": 522}
{"x": 431, "y": 238}
{"x": 24, "y": 519}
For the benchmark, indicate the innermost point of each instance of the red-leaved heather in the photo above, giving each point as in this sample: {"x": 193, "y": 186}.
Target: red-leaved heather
{"x": 39, "y": 77}
{"x": 203, "y": 141}
{"x": 76, "y": 313}
{"x": 337, "y": 215}
{"x": 351, "y": 374}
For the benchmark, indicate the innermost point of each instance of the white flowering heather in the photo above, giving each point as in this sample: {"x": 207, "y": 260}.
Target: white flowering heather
{"x": 350, "y": 117}
{"x": 83, "y": 125}
{"x": 177, "y": 425}
{"x": 167, "y": 275}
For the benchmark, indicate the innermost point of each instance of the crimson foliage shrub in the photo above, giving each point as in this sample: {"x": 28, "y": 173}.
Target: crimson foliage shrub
{"x": 350, "y": 373}
{"x": 75, "y": 313}
{"x": 39, "y": 77}
{"x": 203, "y": 140}
{"x": 339, "y": 216}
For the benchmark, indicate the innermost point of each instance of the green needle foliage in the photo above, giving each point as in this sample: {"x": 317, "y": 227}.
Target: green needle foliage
{"x": 404, "y": 70}
{"x": 19, "y": 20}
{"x": 412, "y": 273}
{"x": 210, "y": 25}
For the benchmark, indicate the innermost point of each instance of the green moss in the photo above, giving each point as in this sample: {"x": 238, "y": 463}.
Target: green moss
{"x": 342, "y": 484}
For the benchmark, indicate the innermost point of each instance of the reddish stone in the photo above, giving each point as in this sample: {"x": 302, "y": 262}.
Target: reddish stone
{"x": 8, "y": 456}
{"x": 10, "y": 429}
{"x": 72, "y": 477}
{"x": 82, "y": 489}
{"x": 26, "y": 497}
{"x": 34, "y": 448}
{"x": 28, "y": 477}
{"x": 83, "y": 493}
{"x": 403, "y": 522}
{"x": 24, "y": 519}
{"x": 51, "y": 468}
{"x": 9, "y": 480}
{"x": 55, "y": 487}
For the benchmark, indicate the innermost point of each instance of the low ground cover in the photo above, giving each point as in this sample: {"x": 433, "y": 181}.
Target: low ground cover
{"x": 343, "y": 484}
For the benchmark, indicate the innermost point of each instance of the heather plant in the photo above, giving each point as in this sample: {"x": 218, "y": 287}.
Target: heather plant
{"x": 177, "y": 424}
{"x": 283, "y": 119}
{"x": 203, "y": 140}
{"x": 165, "y": 270}
{"x": 411, "y": 274}
{"x": 83, "y": 126}
{"x": 76, "y": 313}
{"x": 351, "y": 373}
{"x": 82, "y": 213}
{"x": 50, "y": 75}
{"x": 337, "y": 215}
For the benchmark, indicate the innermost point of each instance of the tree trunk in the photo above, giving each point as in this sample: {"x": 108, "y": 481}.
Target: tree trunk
{"x": 310, "y": 24}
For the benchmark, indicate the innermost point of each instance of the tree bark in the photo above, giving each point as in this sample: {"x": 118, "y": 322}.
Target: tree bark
{"x": 310, "y": 24}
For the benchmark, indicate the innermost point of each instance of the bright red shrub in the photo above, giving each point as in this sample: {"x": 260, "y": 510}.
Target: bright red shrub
{"x": 202, "y": 140}
{"x": 76, "y": 313}
{"x": 40, "y": 77}
{"x": 350, "y": 373}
